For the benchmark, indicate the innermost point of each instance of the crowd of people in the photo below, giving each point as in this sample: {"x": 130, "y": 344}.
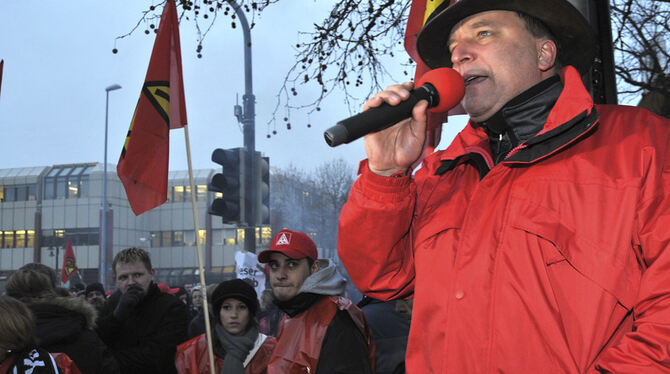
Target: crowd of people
{"x": 536, "y": 242}
{"x": 301, "y": 323}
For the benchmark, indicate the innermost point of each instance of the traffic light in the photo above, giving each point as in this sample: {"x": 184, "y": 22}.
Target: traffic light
{"x": 230, "y": 184}
{"x": 263, "y": 190}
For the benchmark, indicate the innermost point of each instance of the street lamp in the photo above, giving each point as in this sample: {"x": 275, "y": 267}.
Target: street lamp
{"x": 103, "y": 255}
{"x": 51, "y": 254}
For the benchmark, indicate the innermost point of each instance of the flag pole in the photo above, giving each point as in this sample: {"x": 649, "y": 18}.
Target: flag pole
{"x": 201, "y": 269}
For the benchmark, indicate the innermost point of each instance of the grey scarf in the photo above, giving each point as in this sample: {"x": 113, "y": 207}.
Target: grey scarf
{"x": 237, "y": 348}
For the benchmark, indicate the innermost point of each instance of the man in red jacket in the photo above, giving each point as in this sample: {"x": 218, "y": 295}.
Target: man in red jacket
{"x": 322, "y": 332}
{"x": 538, "y": 241}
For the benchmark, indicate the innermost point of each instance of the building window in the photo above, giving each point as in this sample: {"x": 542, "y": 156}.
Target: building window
{"x": 189, "y": 238}
{"x": 67, "y": 182}
{"x": 166, "y": 238}
{"x": 202, "y": 236}
{"x": 32, "y": 192}
{"x": 59, "y": 237}
{"x": 187, "y": 194}
{"x": 178, "y": 194}
{"x": 201, "y": 192}
{"x": 10, "y": 193}
{"x": 178, "y": 239}
{"x": 8, "y": 239}
{"x": 155, "y": 238}
{"x": 266, "y": 235}
{"x": 30, "y": 238}
{"x": 20, "y": 238}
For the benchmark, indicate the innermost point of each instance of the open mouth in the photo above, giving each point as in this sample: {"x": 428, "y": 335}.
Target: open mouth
{"x": 474, "y": 79}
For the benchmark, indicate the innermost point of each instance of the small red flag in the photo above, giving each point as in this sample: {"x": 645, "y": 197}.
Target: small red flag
{"x": 69, "y": 264}
{"x": 143, "y": 165}
{"x": 418, "y": 14}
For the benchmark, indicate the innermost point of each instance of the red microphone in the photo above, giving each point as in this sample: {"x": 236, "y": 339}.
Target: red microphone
{"x": 443, "y": 88}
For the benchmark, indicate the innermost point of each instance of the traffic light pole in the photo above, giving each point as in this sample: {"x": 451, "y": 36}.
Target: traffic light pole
{"x": 248, "y": 125}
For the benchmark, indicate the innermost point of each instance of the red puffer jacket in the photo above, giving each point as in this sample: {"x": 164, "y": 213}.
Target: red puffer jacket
{"x": 557, "y": 260}
{"x": 192, "y": 356}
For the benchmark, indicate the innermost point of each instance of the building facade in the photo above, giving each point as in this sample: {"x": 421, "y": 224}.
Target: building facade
{"x": 41, "y": 208}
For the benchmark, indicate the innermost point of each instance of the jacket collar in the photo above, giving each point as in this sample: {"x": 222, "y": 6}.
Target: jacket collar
{"x": 572, "y": 117}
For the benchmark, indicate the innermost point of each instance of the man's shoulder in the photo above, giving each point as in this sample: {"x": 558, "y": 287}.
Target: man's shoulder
{"x": 167, "y": 301}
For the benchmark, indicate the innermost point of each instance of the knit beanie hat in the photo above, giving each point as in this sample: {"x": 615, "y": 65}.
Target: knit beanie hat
{"x": 235, "y": 289}
{"x": 95, "y": 287}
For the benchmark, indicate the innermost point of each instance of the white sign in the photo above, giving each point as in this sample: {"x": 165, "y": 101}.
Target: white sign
{"x": 247, "y": 267}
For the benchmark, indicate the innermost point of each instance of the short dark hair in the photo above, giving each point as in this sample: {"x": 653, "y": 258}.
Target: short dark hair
{"x": 131, "y": 255}
{"x": 539, "y": 30}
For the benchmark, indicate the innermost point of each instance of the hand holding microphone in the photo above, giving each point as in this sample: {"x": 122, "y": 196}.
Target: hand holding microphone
{"x": 443, "y": 88}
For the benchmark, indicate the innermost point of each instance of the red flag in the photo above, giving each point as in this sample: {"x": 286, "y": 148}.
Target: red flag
{"x": 69, "y": 264}
{"x": 143, "y": 165}
{"x": 418, "y": 14}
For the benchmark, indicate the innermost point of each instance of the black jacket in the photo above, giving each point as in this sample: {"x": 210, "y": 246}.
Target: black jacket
{"x": 344, "y": 349}
{"x": 147, "y": 341}
{"x": 65, "y": 325}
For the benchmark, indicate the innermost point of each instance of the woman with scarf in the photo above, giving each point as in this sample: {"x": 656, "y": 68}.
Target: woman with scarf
{"x": 239, "y": 348}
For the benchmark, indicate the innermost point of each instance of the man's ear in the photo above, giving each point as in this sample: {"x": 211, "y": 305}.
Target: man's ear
{"x": 315, "y": 267}
{"x": 546, "y": 54}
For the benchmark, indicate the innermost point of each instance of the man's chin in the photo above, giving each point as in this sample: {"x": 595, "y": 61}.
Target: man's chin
{"x": 283, "y": 296}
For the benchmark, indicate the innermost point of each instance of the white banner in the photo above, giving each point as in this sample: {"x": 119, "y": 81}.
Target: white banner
{"x": 248, "y": 267}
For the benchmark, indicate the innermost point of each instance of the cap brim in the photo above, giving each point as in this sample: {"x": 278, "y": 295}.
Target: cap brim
{"x": 264, "y": 257}
{"x": 575, "y": 36}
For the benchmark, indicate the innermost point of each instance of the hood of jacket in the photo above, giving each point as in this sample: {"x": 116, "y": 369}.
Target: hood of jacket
{"x": 60, "y": 318}
{"x": 327, "y": 281}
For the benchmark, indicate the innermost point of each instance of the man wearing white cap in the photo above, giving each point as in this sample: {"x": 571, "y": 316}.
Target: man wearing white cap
{"x": 322, "y": 332}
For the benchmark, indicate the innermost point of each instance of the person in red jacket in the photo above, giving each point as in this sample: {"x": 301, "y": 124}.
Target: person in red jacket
{"x": 538, "y": 241}
{"x": 321, "y": 332}
{"x": 238, "y": 345}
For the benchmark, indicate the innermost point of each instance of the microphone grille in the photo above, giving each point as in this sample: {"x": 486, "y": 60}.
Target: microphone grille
{"x": 449, "y": 85}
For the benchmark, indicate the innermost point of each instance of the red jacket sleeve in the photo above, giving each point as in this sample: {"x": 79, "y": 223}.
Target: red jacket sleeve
{"x": 646, "y": 348}
{"x": 374, "y": 234}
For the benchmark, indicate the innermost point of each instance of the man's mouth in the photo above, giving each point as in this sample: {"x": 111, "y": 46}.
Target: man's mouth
{"x": 473, "y": 79}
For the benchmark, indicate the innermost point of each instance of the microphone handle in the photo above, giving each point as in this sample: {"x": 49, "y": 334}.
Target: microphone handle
{"x": 379, "y": 118}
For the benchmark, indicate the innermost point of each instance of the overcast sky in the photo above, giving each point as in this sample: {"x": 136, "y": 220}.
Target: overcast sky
{"x": 58, "y": 61}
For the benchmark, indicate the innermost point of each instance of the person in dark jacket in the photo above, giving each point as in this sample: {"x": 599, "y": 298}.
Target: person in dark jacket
{"x": 140, "y": 324}
{"x": 322, "y": 332}
{"x": 18, "y": 351}
{"x": 95, "y": 295}
{"x": 389, "y": 322}
{"x": 62, "y": 323}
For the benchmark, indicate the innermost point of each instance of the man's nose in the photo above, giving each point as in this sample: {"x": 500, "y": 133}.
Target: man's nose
{"x": 282, "y": 273}
{"x": 461, "y": 53}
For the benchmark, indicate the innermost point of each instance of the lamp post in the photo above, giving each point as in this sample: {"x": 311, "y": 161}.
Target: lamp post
{"x": 51, "y": 254}
{"x": 103, "y": 255}
{"x": 246, "y": 116}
